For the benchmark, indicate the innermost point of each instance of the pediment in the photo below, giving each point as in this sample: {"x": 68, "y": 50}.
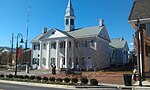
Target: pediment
{"x": 54, "y": 33}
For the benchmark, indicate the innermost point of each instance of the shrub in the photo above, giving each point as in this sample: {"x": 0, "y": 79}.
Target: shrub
{"x": 9, "y": 76}
{"x": 67, "y": 80}
{"x": 2, "y": 75}
{"x": 52, "y": 79}
{"x": 38, "y": 78}
{"x": 74, "y": 80}
{"x": 21, "y": 76}
{"x": 45, "y": 79}
{"x": 93, "y": 82}
{"x": 16, "y": 76}
{"x": 32, "y": 77}
{"x": 84, "y": 80}
{"x": 59, "y": 80}
{"x": 26, "y": 77}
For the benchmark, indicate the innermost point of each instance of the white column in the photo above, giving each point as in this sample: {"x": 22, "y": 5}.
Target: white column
{"x": 57, "y": 55}
{"x": 66, "y": 53}
{"x": 48, "y": 55}
{"x": 40, "y": 60}
{"x": 72, "y": 54}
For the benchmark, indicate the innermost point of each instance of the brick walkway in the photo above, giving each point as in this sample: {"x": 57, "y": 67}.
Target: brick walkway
{"x": 102, "y": 77}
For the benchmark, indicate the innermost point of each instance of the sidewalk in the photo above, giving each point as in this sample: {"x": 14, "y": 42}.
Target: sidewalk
{"x": 107, "y": 79}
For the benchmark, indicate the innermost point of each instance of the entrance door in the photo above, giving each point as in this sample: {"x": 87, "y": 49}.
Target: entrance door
{"x": 89, "y": 63}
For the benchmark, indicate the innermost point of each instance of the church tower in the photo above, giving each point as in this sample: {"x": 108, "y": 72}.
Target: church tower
{"x": 69, "y": 18}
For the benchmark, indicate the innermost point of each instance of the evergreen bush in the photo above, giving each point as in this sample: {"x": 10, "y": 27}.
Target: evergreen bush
{"x": 52, "y": 79}
{"x": 38, "y": 78}
{"x": 59, "y": 80}
{"x": 26, "y": 77}
{"x": 67, "y": 80}
{"x": 45, "y": 79}
{"x": 9, "y": 76}
{"x": 84, "y": 80}
{"x": 21, "y": 76}
{"x": 2, "y": 75}
{"x": 74, "y": 80}
{"x": 32, "y": 77}
{"x": 93, "y": 82}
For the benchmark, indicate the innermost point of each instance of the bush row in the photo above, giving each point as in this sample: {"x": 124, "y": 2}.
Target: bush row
{"x": 83, "y": 80}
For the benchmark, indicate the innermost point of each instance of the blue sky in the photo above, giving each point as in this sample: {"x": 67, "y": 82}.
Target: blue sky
{"x": 50, "y": 13}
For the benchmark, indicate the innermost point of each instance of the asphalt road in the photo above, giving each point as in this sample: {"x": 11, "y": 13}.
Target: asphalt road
{"x": 6, "y": 86}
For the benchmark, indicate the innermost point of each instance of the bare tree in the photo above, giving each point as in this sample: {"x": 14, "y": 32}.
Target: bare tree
{"x": 4, "y": 58}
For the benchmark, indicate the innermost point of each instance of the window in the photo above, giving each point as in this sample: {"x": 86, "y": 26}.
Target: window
{"x": 44, "y": 46}
{"x": 72, "y": 21}
{"x": 92, "y": 43}
{"x": 79, "y": 44}
{"x": 82, "y": 60}
{"x": 67, "y": 21}
{"x": 63, "y": 60}
{"x": 44, "y": 61}
{"x": 53, "y": 32}
{"x": 53, "y": 45}
{"x": 69, "y": 44}
{"x": 85, "y": 43}
{"x": 52, "y": 61}
{"x": 76, "y": 44}
{"x": 70, "y": 61}
{"x": 35, "y": 61}
{"x": 147, "y": 50}
{"x": 89, "y": 57}
{"x": 62, "y": 44}
{"x": 148, "y": 29}
{"x": 36, "y": 47}
{"x": 77, "y": 61}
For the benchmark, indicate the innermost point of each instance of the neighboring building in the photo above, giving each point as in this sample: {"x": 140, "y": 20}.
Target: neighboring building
{"x": 119, "y": 51}
{"x": 83, "y": 48}
{"x": 141, "y": 10}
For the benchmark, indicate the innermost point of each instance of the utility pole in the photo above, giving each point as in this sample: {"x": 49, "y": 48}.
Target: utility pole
{"x": 26, "y": 41}
{"x": 11, "y": 53}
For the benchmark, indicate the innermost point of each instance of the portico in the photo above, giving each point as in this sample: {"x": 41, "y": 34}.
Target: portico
{"x": 55, "y": 52}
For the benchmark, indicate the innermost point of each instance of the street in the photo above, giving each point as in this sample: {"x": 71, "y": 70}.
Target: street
{"x": 6, "y": 86}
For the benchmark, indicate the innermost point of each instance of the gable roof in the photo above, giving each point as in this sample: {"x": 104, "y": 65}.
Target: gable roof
{"x": 36, "y": 39}
{"x": 77, "y": 33}
{"x": 86, "y": 32}
{"x": 140, "y": 10}
{"x": 118, "y": 43}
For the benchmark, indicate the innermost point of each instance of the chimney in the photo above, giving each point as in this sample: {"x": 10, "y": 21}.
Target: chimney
{"x": 44, "y": 30}
{"x": 101, "y": 22}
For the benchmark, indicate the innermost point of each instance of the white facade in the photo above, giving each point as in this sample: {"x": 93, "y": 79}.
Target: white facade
{"x": 85, "y": 48}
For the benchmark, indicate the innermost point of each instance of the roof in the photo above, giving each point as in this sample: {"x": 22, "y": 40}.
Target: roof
{"x": 36, "y": 39}
{"x": 86, "y": 32}
{"x": 118, "y": 43}
{"x": 77, "y": 33}
{"x": 140, "y": 10}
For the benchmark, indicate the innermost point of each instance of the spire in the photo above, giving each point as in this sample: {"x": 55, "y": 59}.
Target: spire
{"x": 69, "y": 10}
{"x": 69, "y": 17}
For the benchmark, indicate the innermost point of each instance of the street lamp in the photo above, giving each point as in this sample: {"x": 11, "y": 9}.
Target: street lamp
{"x": 21, "y": 41}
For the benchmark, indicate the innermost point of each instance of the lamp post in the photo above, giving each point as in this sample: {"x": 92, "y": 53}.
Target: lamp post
{"x": 21, "y": 41}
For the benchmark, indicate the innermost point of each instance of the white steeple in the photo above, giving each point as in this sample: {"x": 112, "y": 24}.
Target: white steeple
{"x": 69, "y": 17}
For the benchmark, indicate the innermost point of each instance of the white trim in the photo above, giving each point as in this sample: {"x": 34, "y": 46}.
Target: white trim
{"x": 139, "y": 20}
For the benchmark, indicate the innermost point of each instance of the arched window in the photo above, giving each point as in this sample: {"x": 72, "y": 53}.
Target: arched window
{"x": 67, "y": 21}
{"x": 72, "y": 21}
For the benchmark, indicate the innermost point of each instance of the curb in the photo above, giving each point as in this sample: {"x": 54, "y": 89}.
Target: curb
{"x": 38, "y": 84}
{"x": 97, "y": 87}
